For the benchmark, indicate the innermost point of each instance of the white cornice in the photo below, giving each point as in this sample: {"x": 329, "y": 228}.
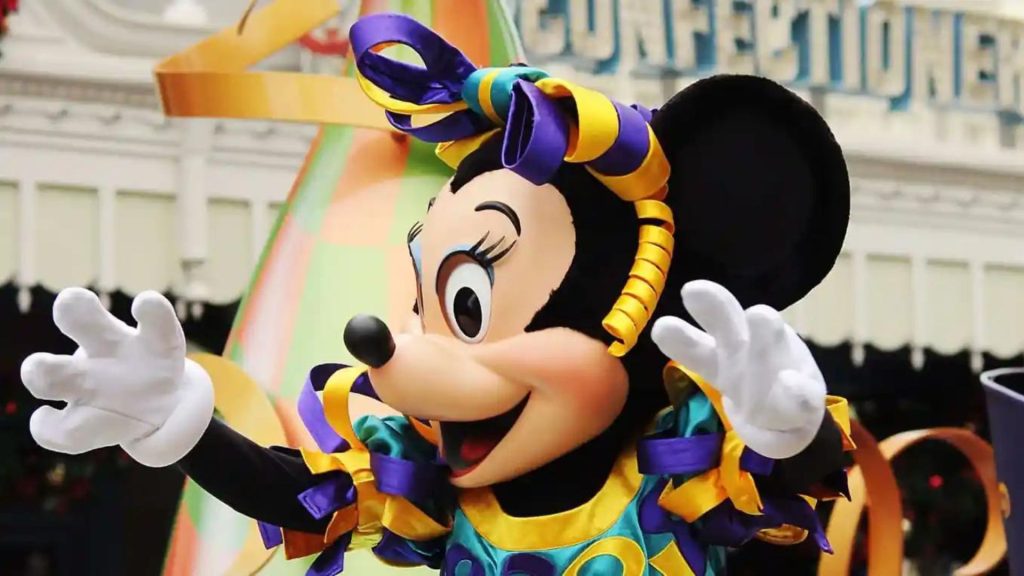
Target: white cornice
{"x": 134, "y": 131}
{"x": 94, "y": 40}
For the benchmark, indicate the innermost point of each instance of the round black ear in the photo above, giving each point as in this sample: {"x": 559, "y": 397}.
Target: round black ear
{"x": 759, "y": 190}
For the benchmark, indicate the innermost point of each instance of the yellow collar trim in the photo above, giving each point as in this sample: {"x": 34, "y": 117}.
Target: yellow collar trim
{"x": 567, "y": 528}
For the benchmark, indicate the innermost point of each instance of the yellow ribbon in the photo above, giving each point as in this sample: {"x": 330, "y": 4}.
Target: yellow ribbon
{"x": 700, "y": 494}
{"x": 209, "y": 79}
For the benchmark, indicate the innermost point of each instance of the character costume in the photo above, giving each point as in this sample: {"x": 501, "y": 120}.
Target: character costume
{"x": 661, "y": 445}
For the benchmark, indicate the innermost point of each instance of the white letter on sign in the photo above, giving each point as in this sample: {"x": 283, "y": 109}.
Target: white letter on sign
{"x": 639, "y": 25}
{"x": 732, "y": 27}
{"x": 597, "y": 44}
{"x": 978, "y": 85}
{"x": 1011, "y": 66}
{"x": 933, "y": 56}
{"x": 688, "y": 20}
{"x": 776, "y": 53}
{"x": 886, "y": 29}
{"x": 543, "y": 33}
{"x": 818, "y": 42}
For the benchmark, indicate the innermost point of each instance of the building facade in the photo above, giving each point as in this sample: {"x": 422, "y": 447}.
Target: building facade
{"x": 98, "y": 188}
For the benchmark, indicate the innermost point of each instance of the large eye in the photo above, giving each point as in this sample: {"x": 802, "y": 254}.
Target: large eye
{"x": 464, "y": 289}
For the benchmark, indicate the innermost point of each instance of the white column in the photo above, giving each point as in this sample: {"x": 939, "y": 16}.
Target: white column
{"x": 27, "y": 241}
{"x": 859, "y": 262}
{"x": 107, "y": 281}
{"x": 197, "y": 139}
{"x": 977, "y": 271}
{"x": 919, "y": 310}
{"x": 258, "y": 228}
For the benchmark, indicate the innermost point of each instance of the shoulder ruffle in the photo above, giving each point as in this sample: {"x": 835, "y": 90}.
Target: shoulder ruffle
{"x": 382, "y": 483}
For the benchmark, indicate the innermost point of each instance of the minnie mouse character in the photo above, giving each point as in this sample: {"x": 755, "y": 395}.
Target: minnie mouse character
{"x": 549, "y": 427}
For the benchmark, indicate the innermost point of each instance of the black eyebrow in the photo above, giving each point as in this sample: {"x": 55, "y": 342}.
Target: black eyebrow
{"x": 504, "y": 209}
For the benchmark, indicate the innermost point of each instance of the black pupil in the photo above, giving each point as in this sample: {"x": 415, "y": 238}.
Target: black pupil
{"x": 468, "y": 314}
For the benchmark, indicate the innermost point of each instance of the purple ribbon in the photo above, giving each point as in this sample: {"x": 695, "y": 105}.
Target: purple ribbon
{"x": 726, "y": 526}
{"x": 270, "y": 534}
{"x": 311, "y": 410}
{"x": 536, "y": 134}
{"x": 328, "y": 496}
{"x": 417, "y": 481}
{"x": 331, "y": 561}
{"x": 532, "y": 564}
{"x": 660, "y": 455}
{"x": 395, "y": 549}
{"x": 656, "y": 520}
{"x": 439, "y": 82}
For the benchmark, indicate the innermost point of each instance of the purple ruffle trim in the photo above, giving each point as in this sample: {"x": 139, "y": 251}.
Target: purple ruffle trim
{"x": 415, "y": 481}
{"x": 665, "y": 455}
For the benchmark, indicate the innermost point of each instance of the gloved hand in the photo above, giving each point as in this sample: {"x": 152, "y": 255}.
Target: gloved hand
{"x": 124, "y": 386}
{"x": 773, "y": 391}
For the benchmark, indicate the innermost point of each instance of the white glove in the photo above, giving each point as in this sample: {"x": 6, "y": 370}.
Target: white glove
{"x": 126, "y": 386}
{"x": 773, "y": 391}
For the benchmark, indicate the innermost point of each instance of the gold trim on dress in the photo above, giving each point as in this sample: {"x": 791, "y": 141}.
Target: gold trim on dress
{"x": 568, "y": 528}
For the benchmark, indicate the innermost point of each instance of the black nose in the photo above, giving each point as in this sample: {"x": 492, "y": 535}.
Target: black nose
{"x": 369, "y": 340}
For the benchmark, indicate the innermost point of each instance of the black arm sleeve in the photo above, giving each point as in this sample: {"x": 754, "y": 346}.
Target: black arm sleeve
{"x": 261, "y": 483}
{"x": 823, "y": 458}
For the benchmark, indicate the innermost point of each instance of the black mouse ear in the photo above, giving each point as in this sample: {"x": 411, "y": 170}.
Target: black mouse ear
{"x": 759, "y": 190}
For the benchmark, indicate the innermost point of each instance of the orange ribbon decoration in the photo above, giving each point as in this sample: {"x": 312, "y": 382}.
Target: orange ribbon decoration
{"x": 873, "y": 485}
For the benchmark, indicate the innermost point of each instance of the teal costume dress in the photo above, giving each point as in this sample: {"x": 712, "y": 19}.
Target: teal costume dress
{"x": 634, "y": 525}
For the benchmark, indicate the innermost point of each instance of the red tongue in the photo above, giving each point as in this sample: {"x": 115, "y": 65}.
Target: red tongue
{"x": 475, "y": 449}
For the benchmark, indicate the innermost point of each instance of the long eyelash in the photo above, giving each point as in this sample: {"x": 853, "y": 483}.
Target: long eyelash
{"x": 487, "y": 255}
{"x": 414, "y": 232}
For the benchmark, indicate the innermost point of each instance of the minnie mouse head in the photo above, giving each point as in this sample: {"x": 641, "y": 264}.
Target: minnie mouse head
{"x": 568, "y": 220}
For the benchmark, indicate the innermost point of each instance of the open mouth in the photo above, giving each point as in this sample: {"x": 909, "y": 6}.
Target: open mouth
{"x": 467, "y": 444}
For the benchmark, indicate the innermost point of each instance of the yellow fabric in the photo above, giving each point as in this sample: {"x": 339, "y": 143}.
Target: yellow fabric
{"x": 839, "y": 408}
{"x": 739, "y": 484}
{"x": 598, "y": 126}
{"x": 209, "y": 79}
{"x": 646, "y": 180}
{"x": 387, "y": 102}
{"x": 484, "y": 95}
{"x": 670, "y": 562}
{"x": 336, "y": 392}
{"x": 626, "y": 550}
{"x": 567, "y": 528}
{"x": 452, "y": 153}
{"x": 697, "y": 496}
{"x": 632, "y": 311}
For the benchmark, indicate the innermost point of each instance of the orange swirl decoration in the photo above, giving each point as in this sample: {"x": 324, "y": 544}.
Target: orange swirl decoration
{"x": 873, "y": 486}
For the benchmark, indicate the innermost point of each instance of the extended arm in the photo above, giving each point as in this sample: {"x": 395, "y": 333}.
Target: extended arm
{"x": 261, "y": 483}
{"x": 134, "y": 387}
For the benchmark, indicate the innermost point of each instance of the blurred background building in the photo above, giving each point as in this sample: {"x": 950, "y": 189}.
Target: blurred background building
{"x": 99, "y": 189}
